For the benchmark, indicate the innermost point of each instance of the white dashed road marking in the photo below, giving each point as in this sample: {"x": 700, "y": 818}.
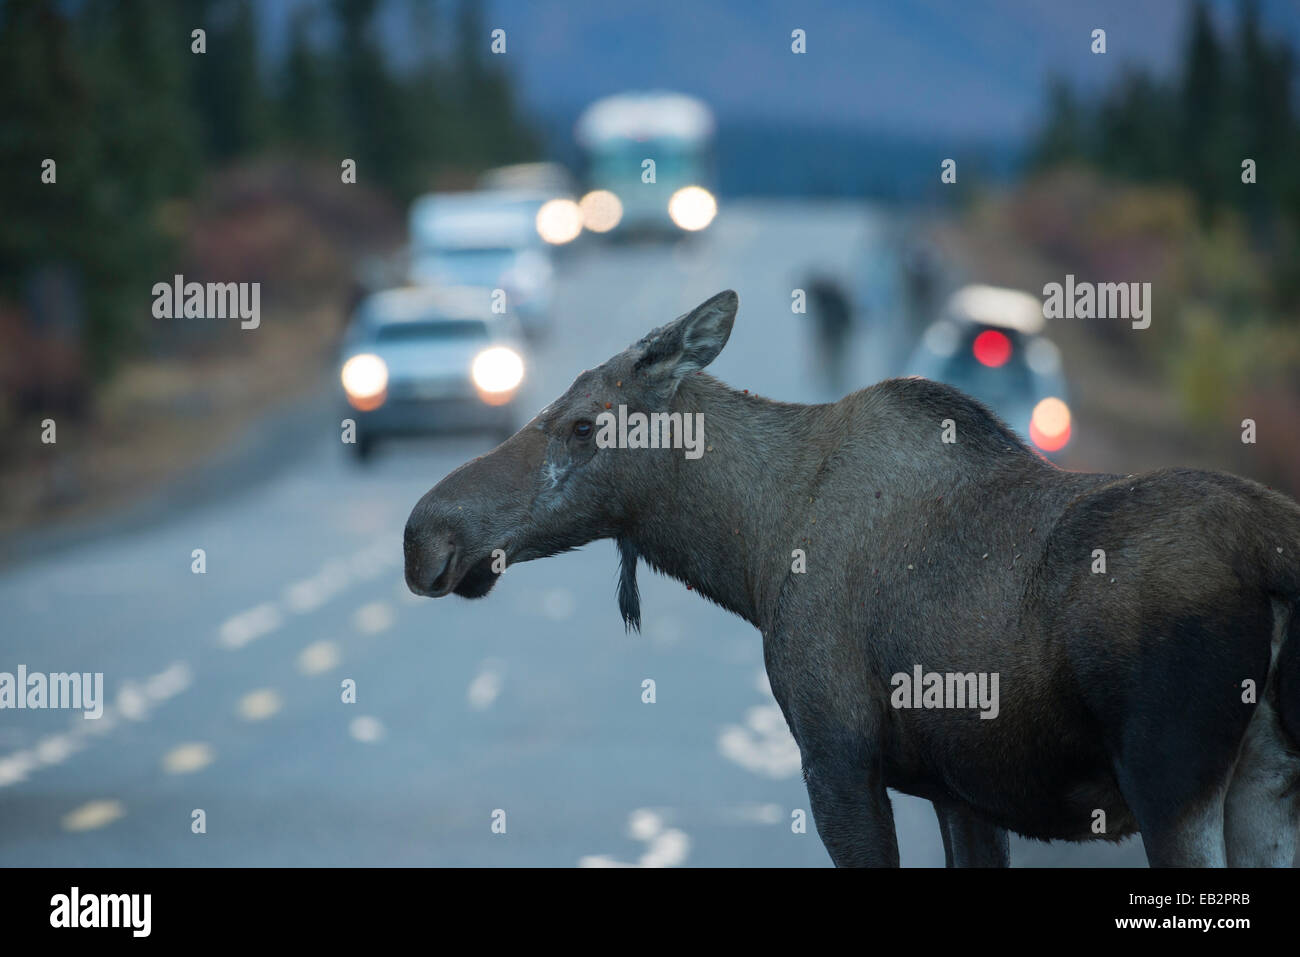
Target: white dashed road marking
{"x": 14, "y": 767}
{"x": 373, "y": 618}
{"x": 57, "y": 748}
{"x": 558, "y": 604}
{"x": 319, "y": 657}
{"x": 259, "y": 705}
{"x": 93, "y": 814}
{"x": 366, "y": 729}
{"x": 666, "y": 846}
{"x": 188, "y": 758}
{"x": 763, "y": 745}
{"x": 308, "y": 594}
{"x": 757, "y": 813}
{"x": 237, "y": 631}
{"x": 485, "y": 688}
{"x": 135, "y": 700}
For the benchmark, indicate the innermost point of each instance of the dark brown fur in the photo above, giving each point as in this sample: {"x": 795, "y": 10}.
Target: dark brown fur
{"x": 1120, "y": 692}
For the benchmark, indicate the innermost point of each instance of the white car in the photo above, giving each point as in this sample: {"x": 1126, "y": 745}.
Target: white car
{"x": 421, "y": 360}
{"x": 486, "y": 238}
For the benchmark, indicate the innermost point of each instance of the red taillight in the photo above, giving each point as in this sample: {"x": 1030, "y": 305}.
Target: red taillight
{"x": 992, "y": 348}
{"x": 1049, "y": 426}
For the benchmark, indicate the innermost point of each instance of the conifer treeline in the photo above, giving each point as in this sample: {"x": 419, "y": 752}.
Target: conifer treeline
{"x": 113, "y": 92}
{"x": 1229, "y": 100}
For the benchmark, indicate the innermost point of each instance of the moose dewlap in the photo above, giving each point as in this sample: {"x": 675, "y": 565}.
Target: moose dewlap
{"x": 1161, "y": 697}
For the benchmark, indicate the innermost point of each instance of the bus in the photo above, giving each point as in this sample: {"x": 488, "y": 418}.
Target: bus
{"x": 619, "y": 134}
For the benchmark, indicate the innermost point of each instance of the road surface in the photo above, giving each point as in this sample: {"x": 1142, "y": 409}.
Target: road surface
{"x": 508, "y": 731}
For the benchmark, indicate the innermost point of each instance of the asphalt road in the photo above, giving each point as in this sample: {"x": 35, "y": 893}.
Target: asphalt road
{"x": 224, "y": 689}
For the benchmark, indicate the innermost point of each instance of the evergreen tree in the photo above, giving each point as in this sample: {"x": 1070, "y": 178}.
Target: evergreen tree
{"x": 1204, "y": 96}
{"x": 309, "y": 119}
{"x": 112, "y": 93}
{"x": 228, "y": 88}
{"x": 1136, "y": 130}
{"x": 425, "y": 99}
{"x": 249, "y": 104}
{"x": 104, "y": 97}
{"x": 1267, "y": 131}
{"x": 489, "y": 127}
{"x": 377, "y": 128}
{"x": 1063, "y": 136}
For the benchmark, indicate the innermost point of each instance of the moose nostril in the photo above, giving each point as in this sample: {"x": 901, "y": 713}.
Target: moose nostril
{"x": 417, "y": 578}
{"x": 420, "y": 577}
{"x": 429, "y": 555}
{"x": 440, "y": 567}
{"x": 408, "y": 543}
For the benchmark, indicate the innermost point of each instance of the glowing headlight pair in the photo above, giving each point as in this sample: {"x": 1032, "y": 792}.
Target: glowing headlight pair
{"x": 496, "y": 372}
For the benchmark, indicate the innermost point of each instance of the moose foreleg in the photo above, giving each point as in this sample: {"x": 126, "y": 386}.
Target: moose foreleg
{"x": 970, "y": 842}
{"x": 852, "y": 811}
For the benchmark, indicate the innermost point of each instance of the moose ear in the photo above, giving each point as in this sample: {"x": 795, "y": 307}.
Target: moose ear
{"x": 692, "y": 341}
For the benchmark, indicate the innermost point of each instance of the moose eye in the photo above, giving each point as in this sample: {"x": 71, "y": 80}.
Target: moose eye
{"x": 582, "y": 429}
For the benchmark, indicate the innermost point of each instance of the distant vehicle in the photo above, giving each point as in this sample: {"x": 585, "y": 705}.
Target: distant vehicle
{"x": 988, "y": 343}
{"x": 549, "y": 178}
{"x": 423, "y": 360}
{"x": 618, "y": 134}
{"x": 487, "y": 238}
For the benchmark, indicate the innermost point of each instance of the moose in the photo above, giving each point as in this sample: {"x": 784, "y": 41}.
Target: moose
{"x": 1159, "y": 695}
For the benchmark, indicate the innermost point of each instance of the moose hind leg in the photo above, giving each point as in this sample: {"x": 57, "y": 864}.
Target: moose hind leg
{"x": 1193, "y": 839}
{"x": 1262, "y": 811}
{"x": 1177, "y": 725}
{"x": 969, "y": 841}
{"x": 1179, "y": 806}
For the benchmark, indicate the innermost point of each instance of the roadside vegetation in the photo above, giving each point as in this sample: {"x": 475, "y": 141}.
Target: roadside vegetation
{"x": 1148, "y": 184}
{"x": 220, "y": 165}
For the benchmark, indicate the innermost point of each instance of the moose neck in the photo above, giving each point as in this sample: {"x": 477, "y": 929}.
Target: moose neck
{"x": 720, "y": 523}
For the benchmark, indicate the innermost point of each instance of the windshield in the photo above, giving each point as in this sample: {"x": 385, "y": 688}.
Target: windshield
{"x": 425, "y": 329}
{"x": 468, "y": 267}
{"x": 618, "y": 162}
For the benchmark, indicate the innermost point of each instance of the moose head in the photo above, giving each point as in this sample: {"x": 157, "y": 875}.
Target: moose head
{"x": 563, "y": 480}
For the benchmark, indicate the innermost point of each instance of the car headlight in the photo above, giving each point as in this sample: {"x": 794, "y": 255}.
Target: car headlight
{"x": 497, "y": 373}
{"x": 365, "y": 381}
{"x": 559, "y": 221}
{"x": 601, "y": 210}
{"x": 692, "y": 208}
